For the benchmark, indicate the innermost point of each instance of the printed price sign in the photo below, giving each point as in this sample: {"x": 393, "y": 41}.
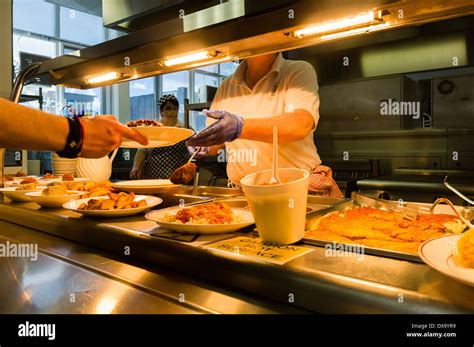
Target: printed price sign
{"x": 254, "y": 248}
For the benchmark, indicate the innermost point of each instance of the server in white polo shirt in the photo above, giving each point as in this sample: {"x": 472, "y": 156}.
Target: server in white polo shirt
{"x": 267, "y": 91}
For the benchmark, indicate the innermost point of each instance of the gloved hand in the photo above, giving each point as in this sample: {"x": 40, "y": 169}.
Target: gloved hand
{"x": 227, "y": 128}
{"x": 203, "y": 151}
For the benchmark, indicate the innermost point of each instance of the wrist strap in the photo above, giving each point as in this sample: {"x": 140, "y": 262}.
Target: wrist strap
{"x": 74, "y": 139}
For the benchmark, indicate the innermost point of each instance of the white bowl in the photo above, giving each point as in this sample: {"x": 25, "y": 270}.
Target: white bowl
{"x": 54, "y": 200}
{"x": 61, "y": 166}
{"x": 15, "y": 194}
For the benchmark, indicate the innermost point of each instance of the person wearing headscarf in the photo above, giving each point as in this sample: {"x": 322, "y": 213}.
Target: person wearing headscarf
{"x": 161, "y": 162}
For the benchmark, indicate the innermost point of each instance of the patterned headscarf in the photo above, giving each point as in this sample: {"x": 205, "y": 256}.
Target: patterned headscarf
{"x": 167, "y": 98}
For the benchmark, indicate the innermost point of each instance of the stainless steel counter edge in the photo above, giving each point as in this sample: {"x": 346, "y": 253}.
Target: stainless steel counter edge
{"x": 313, "y": 281}
{"x": 102, "y": 283}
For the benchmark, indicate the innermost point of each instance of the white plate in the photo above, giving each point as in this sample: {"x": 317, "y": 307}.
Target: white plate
{"x": 19, "y": 178}
{"x": 158, "y": 216}
{"x": 19, "y": 195}
{"x": 144, "y": 186}
{"x": 16, "y": 184}
{"x": 79, "y": 179}
{"x": 73, "y": 205}
{"x": 54, "y": 200}
{"x": 159, "y": 136}
{"x": 439, "y": 253}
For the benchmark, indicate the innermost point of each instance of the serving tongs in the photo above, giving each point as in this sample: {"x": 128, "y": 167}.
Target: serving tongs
{"x": 408, "y": 213}
{"x": 457, "y": 192}
{"x": 450, "y": 204}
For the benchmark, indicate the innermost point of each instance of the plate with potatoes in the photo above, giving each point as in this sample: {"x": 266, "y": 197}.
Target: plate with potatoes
{"x": 113, "y": 205}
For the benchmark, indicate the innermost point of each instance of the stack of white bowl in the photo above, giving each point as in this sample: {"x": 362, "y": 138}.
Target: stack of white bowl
{"x": 62, "y": 166}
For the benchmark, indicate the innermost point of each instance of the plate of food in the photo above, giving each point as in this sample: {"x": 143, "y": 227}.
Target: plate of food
{"x": 144, "y": 186}
{"x": 19, "y": 175}
{"x": 451, "y": 255}
{"x": 157, "y": 134}
{"x": 19, "y": 193}
{"x": 54, "y": 196}
{"x": 211, "y": 218}
{"x": 89, "y": 188}
{"x": 67, "y": 177}
{"x": 24, "y": 180}
{"x": 113, "y": 205}
{"x": 51, "y": 177}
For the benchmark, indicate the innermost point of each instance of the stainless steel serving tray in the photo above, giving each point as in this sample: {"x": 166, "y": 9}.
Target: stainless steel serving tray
{"x": 312, "y": 217}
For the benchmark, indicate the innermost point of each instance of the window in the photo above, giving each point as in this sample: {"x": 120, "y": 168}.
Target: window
{"x": 142, "y": 99}
{"x": 206, "y": 80}
{"x": 210, "y": 68}
{"x": 38, "y": 33}
{"x": 82, "y": 102}
{"x": 227, "y": 69}
{"x": 86, "y": 102}
{"x": 46, "y": 49}
{"x": 35, "y": 16}
{"x": 80, "y": 27}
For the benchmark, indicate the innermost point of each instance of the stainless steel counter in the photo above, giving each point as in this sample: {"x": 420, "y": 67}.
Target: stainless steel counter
{"x": 312, "y": 282}
{"x": 68, "y": 277}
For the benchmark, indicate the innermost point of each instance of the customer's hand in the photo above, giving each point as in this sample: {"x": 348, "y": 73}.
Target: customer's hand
{"x": 227, "y": 128}
{"x": 103, "y": 134}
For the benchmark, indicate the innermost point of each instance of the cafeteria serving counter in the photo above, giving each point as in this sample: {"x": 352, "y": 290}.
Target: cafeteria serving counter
{"x": 125, "y": 265}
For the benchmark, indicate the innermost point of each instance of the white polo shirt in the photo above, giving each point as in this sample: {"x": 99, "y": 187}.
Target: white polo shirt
{"x": 289, "y": 85}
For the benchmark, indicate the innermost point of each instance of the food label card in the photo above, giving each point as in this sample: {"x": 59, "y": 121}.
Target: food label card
{"x": 256, "y": 249}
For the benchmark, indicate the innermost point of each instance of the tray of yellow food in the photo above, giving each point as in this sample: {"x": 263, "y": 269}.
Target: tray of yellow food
{"x": 380, "y": 227}
{"x": 113, "y": 205}
{"x": 210, "y": 218}
{"x": 452, "y": 255}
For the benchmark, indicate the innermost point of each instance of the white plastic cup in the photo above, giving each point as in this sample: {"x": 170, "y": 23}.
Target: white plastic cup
{"x": 279, "y": 210}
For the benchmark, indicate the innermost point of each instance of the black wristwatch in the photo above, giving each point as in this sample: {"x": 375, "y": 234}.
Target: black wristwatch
{"x": 74, "y": 139}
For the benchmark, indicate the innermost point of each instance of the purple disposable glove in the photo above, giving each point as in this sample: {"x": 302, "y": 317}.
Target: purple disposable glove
{"x": 203, "y": 151}
{"x": 227, "y": 128}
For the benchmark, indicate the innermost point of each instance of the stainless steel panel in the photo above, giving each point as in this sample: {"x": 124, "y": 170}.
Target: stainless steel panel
{"x": 454, "y": 110}
{"x": 71, "y": 278}
{"x": 317, "y": 282}
{"x": 260, "y": 32}
{"x": 356, "y": 106}
{"x": 49, "y": 285}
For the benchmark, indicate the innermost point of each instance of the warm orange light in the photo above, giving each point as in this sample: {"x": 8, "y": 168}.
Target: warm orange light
{"x": 103, "y": 78}
{"x": 190, "y": 58}
{"x": 338, "y": 24}
{"x": 362, "y": 30}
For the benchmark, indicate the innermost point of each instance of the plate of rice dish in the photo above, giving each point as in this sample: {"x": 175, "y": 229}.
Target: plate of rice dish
{"x": 211, "y": 218}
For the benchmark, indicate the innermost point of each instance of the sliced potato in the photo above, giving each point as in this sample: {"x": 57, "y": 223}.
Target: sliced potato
{"x": 122, "y": 202}
{"x": 114, "y": 196}
{"x": 142, "y": 203}
{"x": 107, "y": 204}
